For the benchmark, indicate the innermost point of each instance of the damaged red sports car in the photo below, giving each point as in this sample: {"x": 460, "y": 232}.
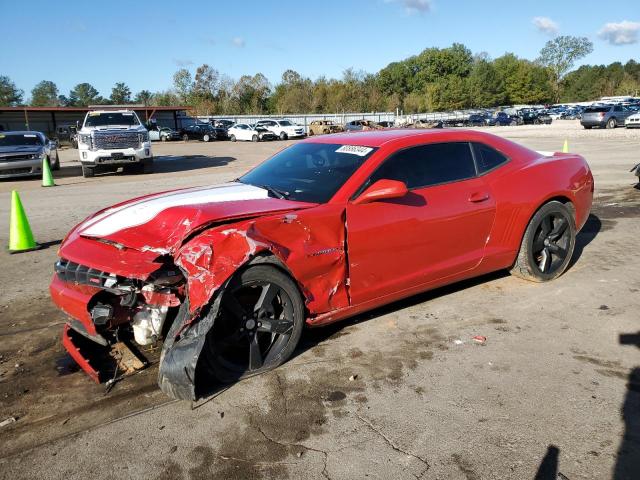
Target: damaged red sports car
{"x": 225, "y": 277}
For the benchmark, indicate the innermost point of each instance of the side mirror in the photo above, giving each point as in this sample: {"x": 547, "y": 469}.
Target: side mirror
{"x": 382, "y": 190}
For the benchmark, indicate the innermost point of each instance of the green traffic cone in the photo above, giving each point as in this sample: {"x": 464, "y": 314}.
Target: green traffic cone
{"x": 47, "y": 177}
{"x": 565, "y": 147}
{"x": 20, "y": 236}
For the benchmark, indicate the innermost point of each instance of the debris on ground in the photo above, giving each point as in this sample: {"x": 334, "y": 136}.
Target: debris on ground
{"x": 8, "y": 421}
{"x": 353, "y": 377}
{"x": 480, "y": 339}
{"x": 457, "y": 341}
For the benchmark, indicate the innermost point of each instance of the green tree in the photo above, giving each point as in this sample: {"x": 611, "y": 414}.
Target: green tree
{"x": 120, "y": 94}
{"x": 560, "y": 54}
{"x": 84, "y": 94}
{"x": 144, "y": 97}
{"x": 183, "y": 84}
{"x": 10, "y": 95}
{"x": 45, "y": 94}
{"x": 486, "y": 86}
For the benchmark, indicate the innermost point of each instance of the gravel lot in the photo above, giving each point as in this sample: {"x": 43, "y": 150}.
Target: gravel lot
{"x": 557, "y": 384}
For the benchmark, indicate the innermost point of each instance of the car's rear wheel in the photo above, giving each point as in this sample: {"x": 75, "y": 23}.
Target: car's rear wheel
{"x": 547, "y": 245}
{"x": 258, "y": 324}
{"x": 310, "y": 132}
{"x": 88, "y": 172}
{"x": 185, "y": 137}
{"x": 232, "y": 138}
{"x": 206, "y": 138}
{"x": 163, "y": 138}
{"x": 254, "y": 138}
{"x": 611, "y": 123}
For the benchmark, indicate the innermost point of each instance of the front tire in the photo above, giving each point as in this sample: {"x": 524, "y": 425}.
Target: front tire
{"x": 283, "y": 136}
{"x": 257, "y": 326}
{"x": 232, "y": 138}
{"x": 254, "y": 138}
{"x": 185, "y": 137}
{"x": 88, "y": 172}
{"x": 547, "y": 245}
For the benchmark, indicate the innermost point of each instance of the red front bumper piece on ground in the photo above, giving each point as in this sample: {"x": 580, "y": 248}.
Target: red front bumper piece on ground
{"x": 72, "y": 345}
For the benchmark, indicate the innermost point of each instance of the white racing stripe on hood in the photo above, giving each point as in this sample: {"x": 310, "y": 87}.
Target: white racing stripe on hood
{"x": 142, "y": 211}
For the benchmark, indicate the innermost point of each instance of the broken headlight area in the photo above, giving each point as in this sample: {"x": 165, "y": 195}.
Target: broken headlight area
{"x": 130, "y": 318}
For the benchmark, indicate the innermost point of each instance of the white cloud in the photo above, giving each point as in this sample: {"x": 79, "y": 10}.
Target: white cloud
{"x": 413, "y": 6}
{"x": 546, "y": 25}
{"x": 182, "y": 62}
{"x": 623, "y": 33}
{"x": 238, "y": 42}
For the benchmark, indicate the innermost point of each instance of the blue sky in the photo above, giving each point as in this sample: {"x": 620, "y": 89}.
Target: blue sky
{"x": 142, "y": 43}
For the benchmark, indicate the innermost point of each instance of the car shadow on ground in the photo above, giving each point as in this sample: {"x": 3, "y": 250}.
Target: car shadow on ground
{"x": 589, "y": 232}
{"x": 182, "y": 163}
{"x": 628, "y": 456}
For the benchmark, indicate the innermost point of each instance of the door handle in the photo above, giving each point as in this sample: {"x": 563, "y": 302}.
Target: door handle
{"x": 479, "y": 197}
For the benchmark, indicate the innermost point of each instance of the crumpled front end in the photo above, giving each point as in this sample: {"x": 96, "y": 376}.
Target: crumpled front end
{"x": 130, "y": 287}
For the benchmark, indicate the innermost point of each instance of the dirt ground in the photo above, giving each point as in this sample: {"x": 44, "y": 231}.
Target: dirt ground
{"x": 401, "y": 392}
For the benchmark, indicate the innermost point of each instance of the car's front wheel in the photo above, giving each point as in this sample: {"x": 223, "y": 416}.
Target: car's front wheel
{"x": 185, "y": 137}
{"x": 88, "y": 172}
{"x": 232, "y": 138}
{"x": 283, "y": 136}
{"x": 257, "y": 326}
{"x": 254, "y": 138}
{"x": 547, "y": 245}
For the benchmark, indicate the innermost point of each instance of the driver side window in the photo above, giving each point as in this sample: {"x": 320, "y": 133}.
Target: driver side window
{"x": 427, "y": 165}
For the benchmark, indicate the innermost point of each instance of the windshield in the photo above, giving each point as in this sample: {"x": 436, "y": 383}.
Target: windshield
{"x": 309, "y": 172}
{"x": 111, "y": 118}
{"x": 285, "y": 123}
{"x": 21, "y": 139}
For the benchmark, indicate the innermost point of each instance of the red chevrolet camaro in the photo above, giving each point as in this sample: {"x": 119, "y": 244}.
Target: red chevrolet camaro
{"x": 227, "y": 276}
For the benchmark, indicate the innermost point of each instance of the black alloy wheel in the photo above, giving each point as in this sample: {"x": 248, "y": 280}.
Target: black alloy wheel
{"x": 258, "y": 325}
{"x": 548, "y": 244}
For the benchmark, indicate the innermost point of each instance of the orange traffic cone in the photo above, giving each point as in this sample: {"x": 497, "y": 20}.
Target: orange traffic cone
{"x": 20, "y": 236}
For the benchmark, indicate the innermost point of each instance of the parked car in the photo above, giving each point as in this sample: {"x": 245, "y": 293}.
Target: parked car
{"x": 250, "y": 133}
{"x": 204, "y": 132}
{"x": 227, "y": 276}
{"x": 163, "y": 134}
{"x": 226, "y": 124}
{"x": 503, "y": 118}
{"x": 22, "y": 153}
{"x": 533, "y": 117}
{"x": 112, "y": 139}
{"x": 322, "y": 127}
{"x": 476, "y": 120}
{"x": 284, "y": 129}
{"x": 387, "y": 124}
{"x": 359, "y": 125}
{"x": 608, "y": 116}
{"x": 633, "y": 121}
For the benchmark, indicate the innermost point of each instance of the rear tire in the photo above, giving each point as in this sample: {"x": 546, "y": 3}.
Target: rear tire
{"x": 232, "y": 138}
{"x": 229, "y": 351}
{"x": 547, "y": 245}
{"x": 88, "y": 172}
{"x": 206, "y": 138}
{"x": 611, "y": 123}
{"x": 185, "y": 137}
{"x": 254, "y": 138}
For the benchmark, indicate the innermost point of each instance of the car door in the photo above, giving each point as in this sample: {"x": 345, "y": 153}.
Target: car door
{"x": 439, "y": 229}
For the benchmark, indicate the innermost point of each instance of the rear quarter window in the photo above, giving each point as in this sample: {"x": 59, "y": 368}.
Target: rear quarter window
{"x": 487, "y": 158}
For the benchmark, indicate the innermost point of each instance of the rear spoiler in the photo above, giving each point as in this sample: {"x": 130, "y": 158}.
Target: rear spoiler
{"x": 549, "y": 154}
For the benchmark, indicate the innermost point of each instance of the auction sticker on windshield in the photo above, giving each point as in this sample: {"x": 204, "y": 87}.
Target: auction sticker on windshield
{"x": 354, "y": 150}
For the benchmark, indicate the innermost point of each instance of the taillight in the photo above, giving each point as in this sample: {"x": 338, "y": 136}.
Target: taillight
{"x": 601, "y": 114}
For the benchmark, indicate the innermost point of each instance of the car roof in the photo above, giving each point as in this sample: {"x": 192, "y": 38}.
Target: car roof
{"x": 21, "y": 132}
{"x": 378, "y": 138}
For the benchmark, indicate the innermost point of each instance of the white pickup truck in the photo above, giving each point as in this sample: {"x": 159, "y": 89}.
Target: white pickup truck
{"x": 110, "y": 139}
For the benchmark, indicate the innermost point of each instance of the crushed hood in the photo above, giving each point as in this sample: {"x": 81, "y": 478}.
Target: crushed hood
{"x": 159, "y": 223}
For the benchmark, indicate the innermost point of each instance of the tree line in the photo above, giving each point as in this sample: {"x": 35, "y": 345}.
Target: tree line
{"x": 436, "y": 79}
